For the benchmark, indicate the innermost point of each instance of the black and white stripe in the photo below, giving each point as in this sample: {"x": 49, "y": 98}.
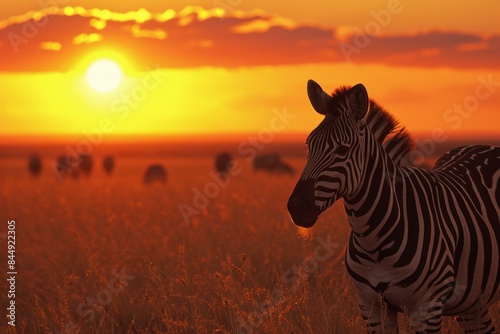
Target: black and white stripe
{"x": 422, "y": 241}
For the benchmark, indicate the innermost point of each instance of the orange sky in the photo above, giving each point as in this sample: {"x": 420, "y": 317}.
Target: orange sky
{"x": 234, "y": 68}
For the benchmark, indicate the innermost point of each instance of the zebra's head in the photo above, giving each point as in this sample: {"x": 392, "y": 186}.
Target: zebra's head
{"x": 335, "y": 159}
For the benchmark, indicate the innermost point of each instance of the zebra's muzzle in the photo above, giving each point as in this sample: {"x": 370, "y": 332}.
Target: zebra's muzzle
{"x": 301, "y": 205}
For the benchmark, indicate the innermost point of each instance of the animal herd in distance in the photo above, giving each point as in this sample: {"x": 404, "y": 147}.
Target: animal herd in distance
{"x": 74, "y": 167}
{"x": 424, "y": 242}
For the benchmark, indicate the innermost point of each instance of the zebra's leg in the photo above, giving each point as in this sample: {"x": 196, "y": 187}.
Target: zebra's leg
{"x": 479, "y": 322}
{"x": 379, "y": 316}
{"x": 427, "y": 317}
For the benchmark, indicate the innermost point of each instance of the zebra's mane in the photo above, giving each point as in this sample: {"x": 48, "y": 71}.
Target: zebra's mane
{"x": 393, "y": 137}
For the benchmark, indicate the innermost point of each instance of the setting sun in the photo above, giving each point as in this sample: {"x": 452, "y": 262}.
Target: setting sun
{"x": 104, "y": 75}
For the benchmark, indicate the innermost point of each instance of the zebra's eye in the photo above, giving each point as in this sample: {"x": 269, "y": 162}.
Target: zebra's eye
{"x": 342, "y": 150}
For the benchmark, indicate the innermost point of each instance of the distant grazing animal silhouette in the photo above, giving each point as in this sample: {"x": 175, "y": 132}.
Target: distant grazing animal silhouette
{"x": 108, "y": 163}
{"x": 155, "y": 173}
{"x": 65, "y": 165}
{"x": 35, "y": 165}
{"x": 85, "y": 164}
{"x": 223, "y": 163}
{"x": 271, "y": 163}
{"x": 422, "y": 241}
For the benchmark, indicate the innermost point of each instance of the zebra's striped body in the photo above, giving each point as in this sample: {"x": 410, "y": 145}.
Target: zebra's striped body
{"x": 422, "y": 241}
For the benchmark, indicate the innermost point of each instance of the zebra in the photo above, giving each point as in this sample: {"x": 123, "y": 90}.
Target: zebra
{"x": 155, "y": 173}
{"x": 35, "y": 165}
{"x": 85, "y": 163}
{"x": 425, "y": 242}
{"x": 108, "y": 163}
{"x": 271, "y": 163}
{"x": 223, "y": 163}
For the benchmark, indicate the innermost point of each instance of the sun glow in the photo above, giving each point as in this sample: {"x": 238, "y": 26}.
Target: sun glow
{"x": 104, "y": 75}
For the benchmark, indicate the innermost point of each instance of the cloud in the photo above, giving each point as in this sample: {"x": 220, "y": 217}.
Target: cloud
{"x": 57, "y": 38}
{"x": 431, "y": 49}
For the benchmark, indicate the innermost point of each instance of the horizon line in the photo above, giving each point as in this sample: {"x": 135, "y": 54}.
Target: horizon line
{"x": 42, "y": 139}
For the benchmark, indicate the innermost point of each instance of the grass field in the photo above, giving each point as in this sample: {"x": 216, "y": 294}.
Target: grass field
{"x": 112, "y": 255}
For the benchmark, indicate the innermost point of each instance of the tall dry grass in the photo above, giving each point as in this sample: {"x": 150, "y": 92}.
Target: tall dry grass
{"x": 111, "y": 255}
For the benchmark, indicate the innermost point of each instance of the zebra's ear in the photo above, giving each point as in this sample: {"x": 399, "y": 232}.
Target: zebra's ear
{"x": 319, "y": 99}
{"x": 358, "y": 101}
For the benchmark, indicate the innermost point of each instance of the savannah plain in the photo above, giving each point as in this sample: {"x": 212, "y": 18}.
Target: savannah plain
{"x": 109, "y": 254}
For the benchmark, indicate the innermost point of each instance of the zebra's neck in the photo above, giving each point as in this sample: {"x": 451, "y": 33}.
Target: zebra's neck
{"x": 373, "y": 209}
